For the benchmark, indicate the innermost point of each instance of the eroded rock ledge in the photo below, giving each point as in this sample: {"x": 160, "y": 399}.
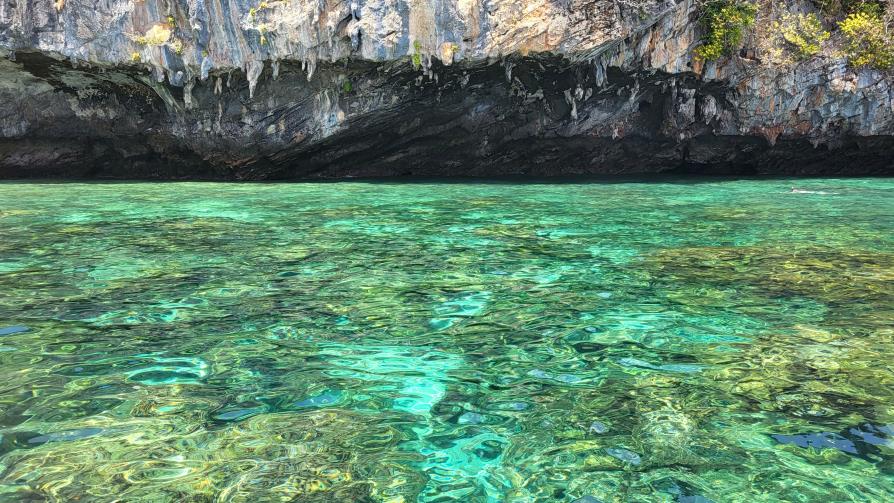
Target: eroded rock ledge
{"x": 601, "y": 93}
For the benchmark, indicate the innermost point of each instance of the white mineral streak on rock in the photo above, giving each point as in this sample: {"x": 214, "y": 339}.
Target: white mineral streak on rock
{"x": 311, "y": 63}
{"x": 708, "y": 108}
{"x": 207, "y": 65}
{"x": 187, "y": 91}
{"x": 571, "y": 101}
{"x": 252, "y": 72}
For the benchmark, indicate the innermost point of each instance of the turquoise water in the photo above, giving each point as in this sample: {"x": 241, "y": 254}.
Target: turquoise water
{"x": 685, "y": 341}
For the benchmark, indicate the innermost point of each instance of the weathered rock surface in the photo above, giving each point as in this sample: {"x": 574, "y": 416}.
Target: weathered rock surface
{"x": 328, "y": 88}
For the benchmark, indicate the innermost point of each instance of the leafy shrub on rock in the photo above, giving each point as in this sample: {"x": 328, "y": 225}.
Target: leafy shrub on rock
{"x": 724, "y": 22}
{"x": 867, "y": 43}
{"x": 803, "y": 33}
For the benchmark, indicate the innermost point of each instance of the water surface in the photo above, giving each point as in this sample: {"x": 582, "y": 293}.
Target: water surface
{"x": 630, "y": 342}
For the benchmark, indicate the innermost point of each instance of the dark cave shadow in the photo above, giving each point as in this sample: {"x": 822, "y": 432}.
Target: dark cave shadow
{"x": 657, "y": 178}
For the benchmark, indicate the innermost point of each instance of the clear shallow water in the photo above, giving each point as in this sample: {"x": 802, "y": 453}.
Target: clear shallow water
{"x": 690, "y": 342}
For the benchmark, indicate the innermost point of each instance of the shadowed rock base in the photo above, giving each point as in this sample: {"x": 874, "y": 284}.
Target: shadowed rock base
{"x": 539, "y": 116}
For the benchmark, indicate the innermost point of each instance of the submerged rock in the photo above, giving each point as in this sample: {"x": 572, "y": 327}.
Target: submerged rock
{"x": 624, "y": 455}
{"x": 598, "y": 427}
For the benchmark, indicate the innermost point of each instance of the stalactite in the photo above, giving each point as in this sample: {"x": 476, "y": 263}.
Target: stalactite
{"x": 253, "y": 72}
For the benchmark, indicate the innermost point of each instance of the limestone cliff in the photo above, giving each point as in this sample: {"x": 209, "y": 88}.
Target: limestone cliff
{"x": 248, "y": 89}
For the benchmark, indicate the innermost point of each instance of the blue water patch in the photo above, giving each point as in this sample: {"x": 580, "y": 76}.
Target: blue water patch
{"x": 624, "y": 455}
{"x": 562, "y": 378}
{"x": 822, "y": 440}
{"x": 471, "y": 418}
{"x": 239, "y": 414}
{"x": 324, "y": 399}
{"x": 465, "y": 305}
{"x": 170, "y": 370}
{"x": 65, "y": 436}
{"x": 510, "y": 406}
{"x": 15, "y": 329}
{"x": 874, "y": 435}
{"x": 670, "y": 367}
{"x": 862, "y": 441}
{"x": 597, "y": 427}
{"x": 441, "y": 323}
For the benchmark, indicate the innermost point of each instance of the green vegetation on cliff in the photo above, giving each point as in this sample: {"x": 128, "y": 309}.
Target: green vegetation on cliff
{"x": 803, "y": 34}
{"x": 867, "y": 41}
{"x": 863, "y": 35}
{"x": 724, "y": 22}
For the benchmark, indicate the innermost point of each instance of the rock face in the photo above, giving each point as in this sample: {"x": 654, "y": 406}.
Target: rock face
{"x": 242, "y": 89}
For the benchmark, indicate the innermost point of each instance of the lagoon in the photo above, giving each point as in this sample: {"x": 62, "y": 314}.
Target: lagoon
{"x": 683, "y": 340}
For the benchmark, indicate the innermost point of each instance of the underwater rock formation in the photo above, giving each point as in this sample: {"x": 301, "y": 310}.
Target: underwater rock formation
{"x": 294, "y": 89}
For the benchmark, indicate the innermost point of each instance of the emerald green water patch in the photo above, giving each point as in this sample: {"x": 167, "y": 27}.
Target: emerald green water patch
{"x": 686, "y": 340}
